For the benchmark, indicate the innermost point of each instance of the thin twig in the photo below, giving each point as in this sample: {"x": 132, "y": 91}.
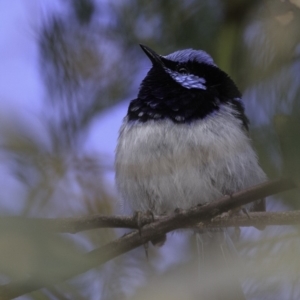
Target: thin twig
{"x": 255, "y": 219}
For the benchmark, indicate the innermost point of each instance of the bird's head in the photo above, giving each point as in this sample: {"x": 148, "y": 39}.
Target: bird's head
{"x": 183, "y": 86}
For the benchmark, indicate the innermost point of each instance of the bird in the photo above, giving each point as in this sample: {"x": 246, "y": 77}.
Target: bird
{"x": 185, "y": 141}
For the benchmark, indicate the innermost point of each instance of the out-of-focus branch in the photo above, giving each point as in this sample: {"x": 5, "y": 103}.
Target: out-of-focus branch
{"x": 177, "y": 220}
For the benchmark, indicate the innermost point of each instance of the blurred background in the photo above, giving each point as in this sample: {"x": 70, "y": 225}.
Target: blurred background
{"x": 68, "y": 71}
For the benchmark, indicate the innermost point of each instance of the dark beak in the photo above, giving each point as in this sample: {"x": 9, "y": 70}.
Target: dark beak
{"x": 154, "y": 57}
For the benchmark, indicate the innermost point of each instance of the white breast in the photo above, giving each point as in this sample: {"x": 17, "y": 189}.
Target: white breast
{"x": 162, "y": 166}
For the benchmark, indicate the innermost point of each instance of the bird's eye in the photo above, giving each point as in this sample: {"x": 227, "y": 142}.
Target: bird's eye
{"x": 182, "y": 70}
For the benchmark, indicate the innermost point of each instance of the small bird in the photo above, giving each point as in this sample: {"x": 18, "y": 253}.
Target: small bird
{"x": 184, "y": 141}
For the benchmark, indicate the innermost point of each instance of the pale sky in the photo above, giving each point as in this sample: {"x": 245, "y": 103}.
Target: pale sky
{"x": 22, "y": 93}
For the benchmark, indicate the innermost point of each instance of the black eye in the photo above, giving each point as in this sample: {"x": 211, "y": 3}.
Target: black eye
{"x": 182, "y": 70}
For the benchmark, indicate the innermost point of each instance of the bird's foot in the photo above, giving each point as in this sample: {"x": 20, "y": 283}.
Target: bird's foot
{"x": 142, "y": 219}
{"x": 245, "y": 211}
{"x": 178, "y": 210}
{"x": 229, "y": 194}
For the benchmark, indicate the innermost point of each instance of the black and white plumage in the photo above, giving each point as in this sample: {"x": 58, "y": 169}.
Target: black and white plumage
{"x": 184, "y": 140}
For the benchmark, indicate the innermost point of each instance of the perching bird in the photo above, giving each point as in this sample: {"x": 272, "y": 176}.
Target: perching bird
{"x": 184, "y": 141}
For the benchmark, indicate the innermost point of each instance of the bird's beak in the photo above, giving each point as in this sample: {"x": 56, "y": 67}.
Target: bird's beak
{"x": 153, "y": 56}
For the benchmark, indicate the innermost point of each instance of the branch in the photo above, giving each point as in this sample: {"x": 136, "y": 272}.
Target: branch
{"x": 176, "y": 220}
{"x": 254, "y": 219}
{"x": 74, "y": 225}
{"x": 78, "y": 224}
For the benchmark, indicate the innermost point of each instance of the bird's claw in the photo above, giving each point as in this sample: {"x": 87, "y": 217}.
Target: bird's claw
{"x": 142, "y": 219}
{"x": 245, "y": 211}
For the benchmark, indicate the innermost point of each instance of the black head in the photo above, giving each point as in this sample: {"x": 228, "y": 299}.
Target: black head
{"x": 184, "y": 86}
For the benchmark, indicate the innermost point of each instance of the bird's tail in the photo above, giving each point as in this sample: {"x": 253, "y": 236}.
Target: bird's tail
{"x": 218, "y": 269}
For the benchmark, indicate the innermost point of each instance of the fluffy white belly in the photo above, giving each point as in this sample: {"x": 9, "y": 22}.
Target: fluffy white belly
{"x": 162, "y": 166}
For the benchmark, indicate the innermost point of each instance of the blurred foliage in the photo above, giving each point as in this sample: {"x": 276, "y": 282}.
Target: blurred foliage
{"x": 288, "y": 130}
{"x": 90, "y": 60}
